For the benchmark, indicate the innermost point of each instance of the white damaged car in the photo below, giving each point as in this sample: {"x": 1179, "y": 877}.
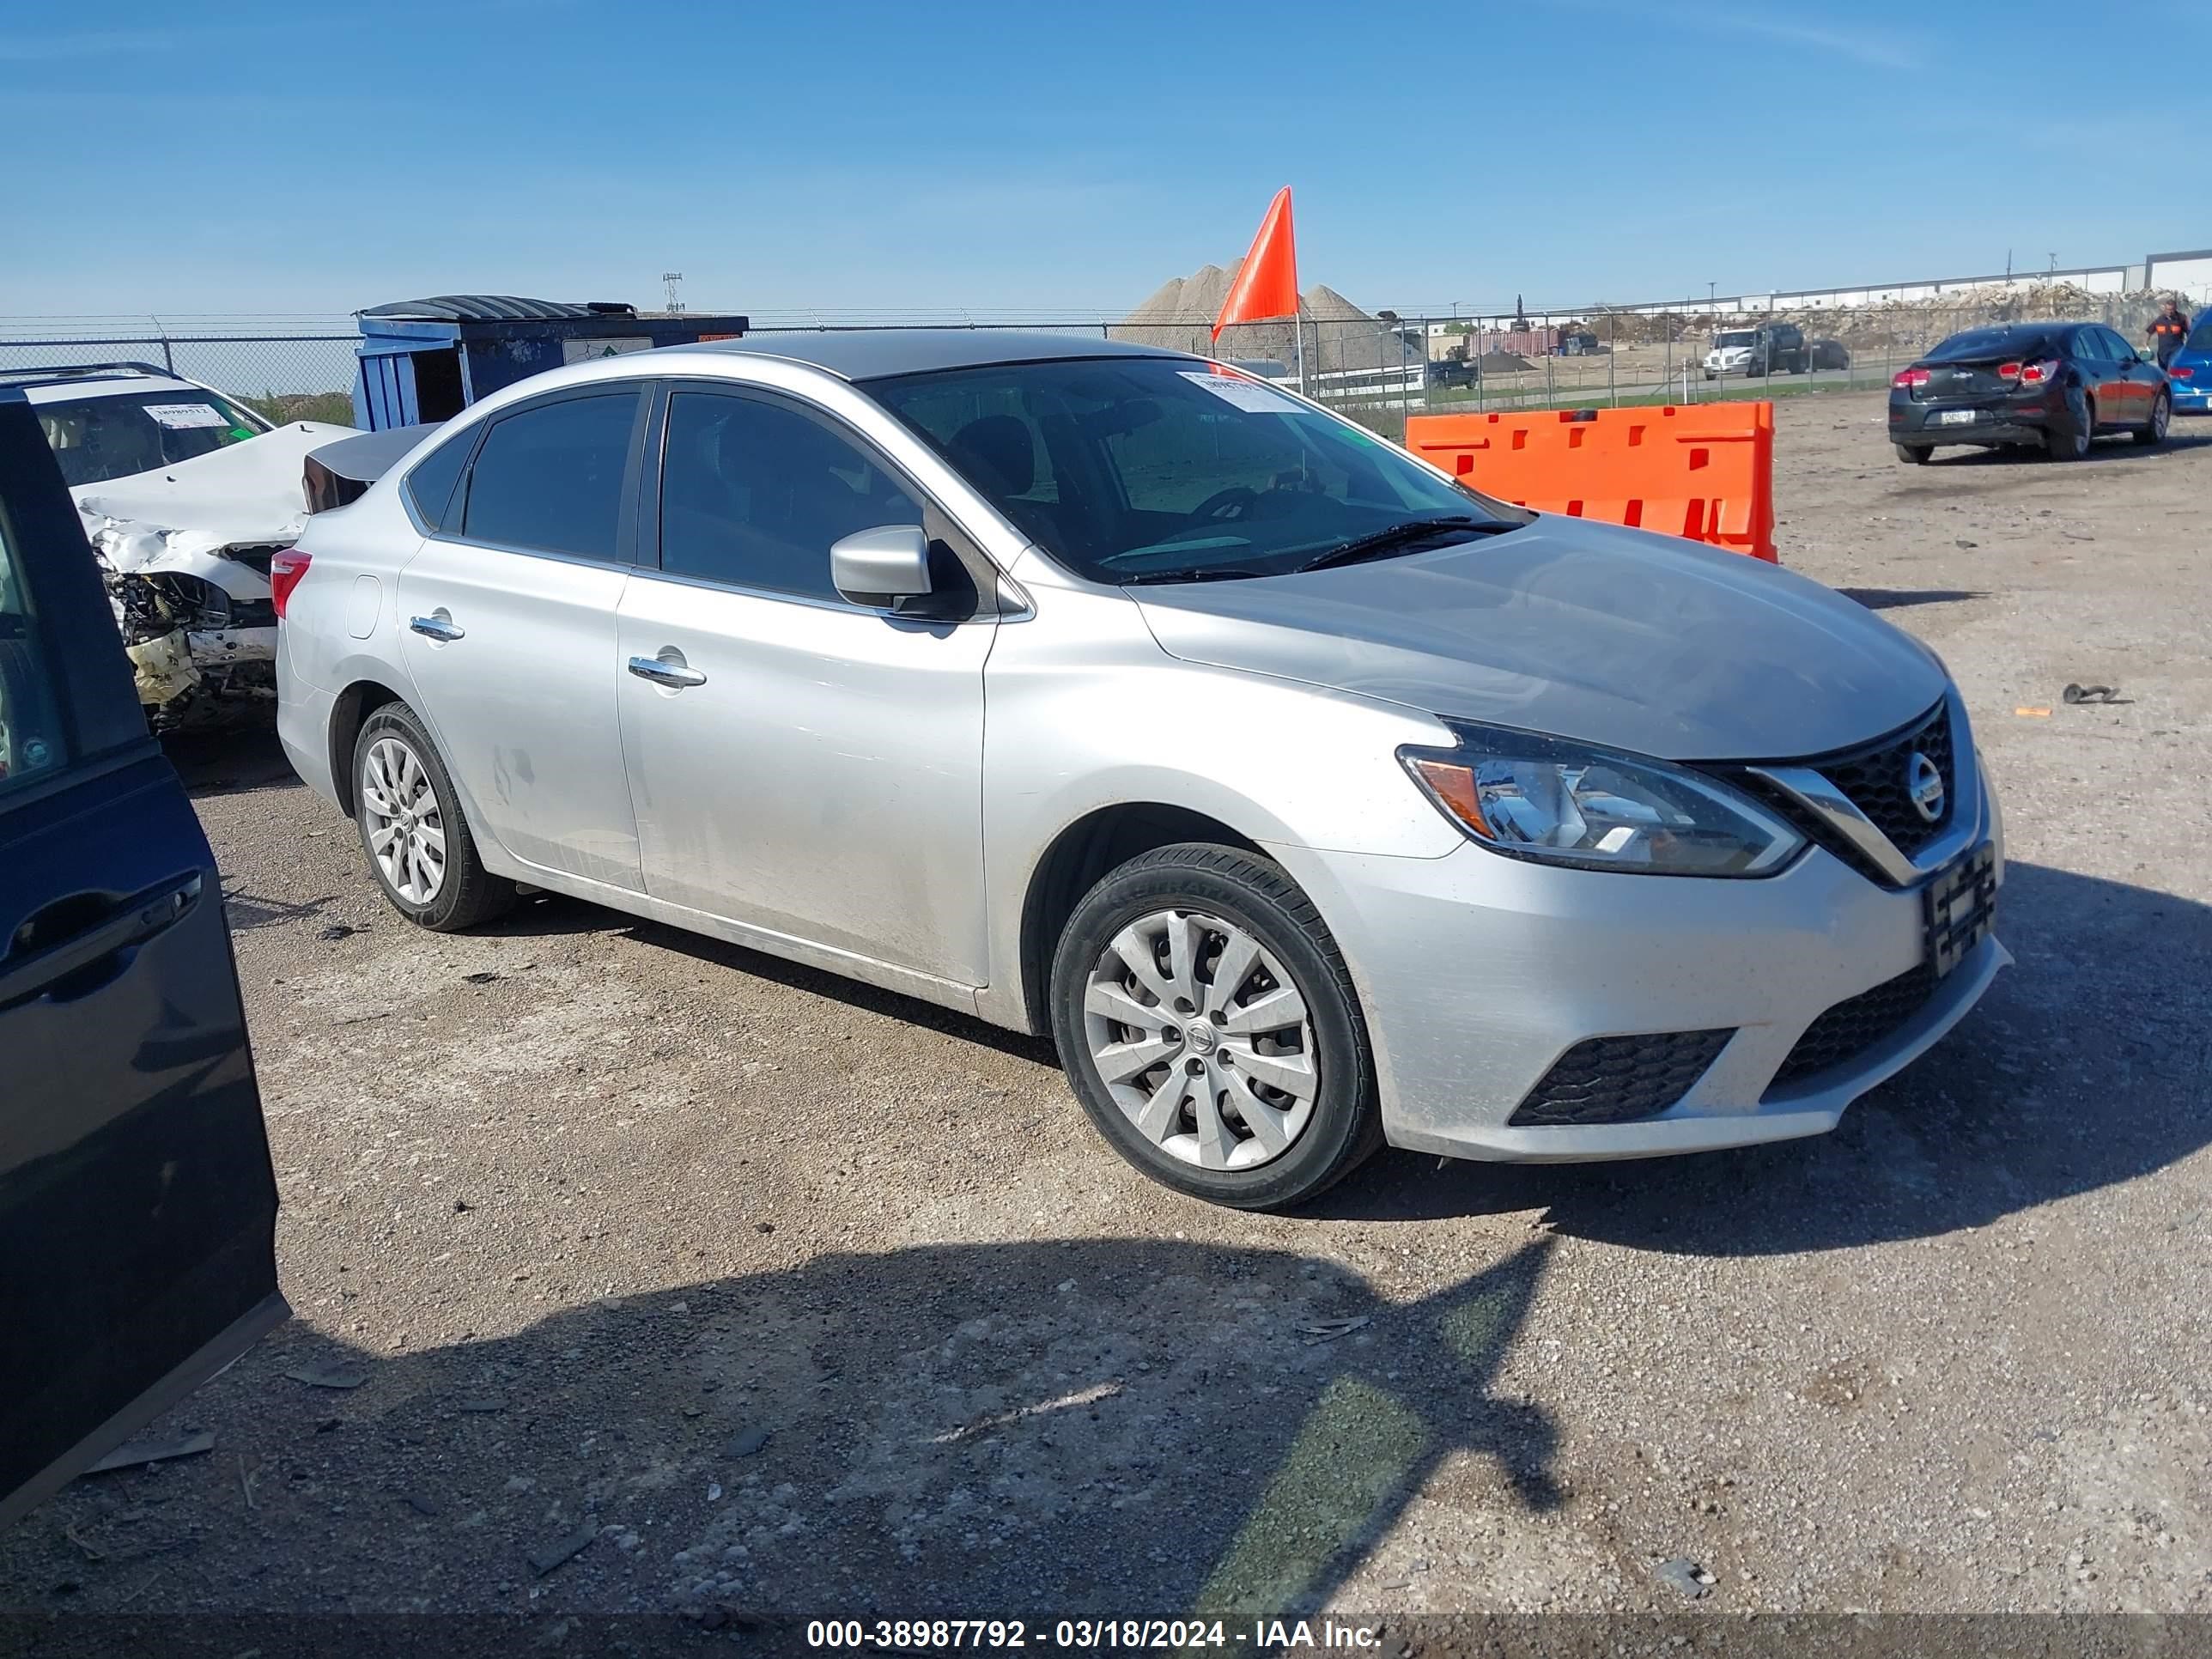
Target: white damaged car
{"x": 185, "y": 494}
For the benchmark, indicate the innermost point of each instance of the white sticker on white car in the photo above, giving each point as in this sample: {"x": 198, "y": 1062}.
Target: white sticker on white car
{"x": 1245, "y": 394}
{"x": 187, "y": 414}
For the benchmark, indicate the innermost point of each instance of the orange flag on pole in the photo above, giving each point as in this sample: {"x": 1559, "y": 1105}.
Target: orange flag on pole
{"x": 1266, "y": 284}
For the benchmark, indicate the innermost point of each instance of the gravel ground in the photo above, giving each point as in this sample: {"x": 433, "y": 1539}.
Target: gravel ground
{"x": 772, "y": 1293}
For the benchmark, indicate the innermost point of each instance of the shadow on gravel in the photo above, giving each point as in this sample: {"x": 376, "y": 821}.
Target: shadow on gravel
{"x": 1095, "y": 1428}
{"x": 2107, "y": 451}
{"x": 1892, "y": 599}
{"x": 240, "y": 755}
{"x": 2084, "y": 1066}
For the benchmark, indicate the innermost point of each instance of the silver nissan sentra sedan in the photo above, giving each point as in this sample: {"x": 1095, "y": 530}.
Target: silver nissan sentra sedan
{"x": 1308, "y": 799}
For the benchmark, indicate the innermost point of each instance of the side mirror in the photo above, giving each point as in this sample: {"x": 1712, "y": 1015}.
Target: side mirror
{"x": 883, "y": 566}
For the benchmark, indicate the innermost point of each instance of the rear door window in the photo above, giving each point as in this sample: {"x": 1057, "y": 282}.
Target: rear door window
{"x": 30, "y": 723}
{"x": 550, "y": 478}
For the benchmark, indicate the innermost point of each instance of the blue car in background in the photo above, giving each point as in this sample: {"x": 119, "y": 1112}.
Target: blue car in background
{"x": 2190, "y": 373}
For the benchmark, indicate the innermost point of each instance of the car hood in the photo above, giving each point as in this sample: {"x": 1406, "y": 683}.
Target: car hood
{"x": 181, "y": 517}
{"x": 1614, "y": 636}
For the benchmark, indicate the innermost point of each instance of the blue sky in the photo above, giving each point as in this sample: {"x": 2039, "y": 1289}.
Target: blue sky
{"x": 305, "y": 157}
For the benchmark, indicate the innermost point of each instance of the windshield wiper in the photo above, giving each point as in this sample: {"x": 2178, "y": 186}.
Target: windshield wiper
{"x": 1398, "y": 536}
{"x": 1222, "y": 575}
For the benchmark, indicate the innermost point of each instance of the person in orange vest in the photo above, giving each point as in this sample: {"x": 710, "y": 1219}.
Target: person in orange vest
{"x": 2168, "y": 331}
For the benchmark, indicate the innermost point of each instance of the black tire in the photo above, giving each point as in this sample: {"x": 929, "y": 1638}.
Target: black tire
{"x": 2069, "y": 440}
{"x": 1254, "y": 894}
{"x": 1917, "y": 454}
{"x": 2153, "y": 434}
{"x": 467, "y": 894}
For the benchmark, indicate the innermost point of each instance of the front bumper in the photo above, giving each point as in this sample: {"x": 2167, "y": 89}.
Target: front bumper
{"x": 1477, "y": 973}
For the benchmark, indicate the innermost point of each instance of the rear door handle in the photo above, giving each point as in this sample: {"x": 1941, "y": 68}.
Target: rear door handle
{"x": 672, "y": 674}
{"x": 131, "y": 923}
{"x": 438, "y": 628}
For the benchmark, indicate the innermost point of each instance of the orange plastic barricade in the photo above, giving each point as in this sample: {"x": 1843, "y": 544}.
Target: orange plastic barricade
{"x": 1703, "y": 471}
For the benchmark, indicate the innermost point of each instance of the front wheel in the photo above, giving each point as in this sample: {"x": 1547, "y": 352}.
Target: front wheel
{"x": 419, "y": 846}
{"x": 1208, "y": 1022}
{"x": 2161, "y": 416}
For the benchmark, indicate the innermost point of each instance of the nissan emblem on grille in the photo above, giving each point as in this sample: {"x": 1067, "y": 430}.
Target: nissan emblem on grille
{"x": 1923, "y": 782}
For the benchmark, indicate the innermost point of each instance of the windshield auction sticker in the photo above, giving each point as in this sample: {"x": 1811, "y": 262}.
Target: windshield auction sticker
{"x": 1245, "y": 394}
{"x": 187, "y": 414}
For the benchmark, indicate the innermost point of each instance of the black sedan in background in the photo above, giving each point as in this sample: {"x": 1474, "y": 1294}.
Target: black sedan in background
{"x": 2055, "y": 385}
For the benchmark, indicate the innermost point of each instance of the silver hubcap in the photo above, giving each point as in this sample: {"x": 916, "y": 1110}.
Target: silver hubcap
{"x": 2159, "y": 413}
{"x": 1202, "y": 1039}
{"x": 406, "y": 827}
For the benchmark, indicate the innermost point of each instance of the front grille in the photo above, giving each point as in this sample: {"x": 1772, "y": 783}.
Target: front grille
{"x": 1616, "y": 1079}
{"x": 1877, "y": 779}
{"x": 1854, "y": 1025}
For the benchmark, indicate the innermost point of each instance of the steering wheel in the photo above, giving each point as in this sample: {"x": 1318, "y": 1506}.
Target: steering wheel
{"x": 1220, "y": 503}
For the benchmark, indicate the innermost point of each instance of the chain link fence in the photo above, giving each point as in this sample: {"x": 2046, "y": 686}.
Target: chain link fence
{"x": 1377, "y": 367}
{"x": 286, "y": 369}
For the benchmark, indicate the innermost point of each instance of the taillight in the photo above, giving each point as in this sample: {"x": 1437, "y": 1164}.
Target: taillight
{"x": 285, "y": 569}
{"x": 2183, "y": 373}
{"x": 1911, "y": 377}
{"x": 2008, "y": 371}
{"x": 2039, "y": 373}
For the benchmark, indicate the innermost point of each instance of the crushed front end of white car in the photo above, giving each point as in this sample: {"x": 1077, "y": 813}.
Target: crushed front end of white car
{"x": 185, "y": 550}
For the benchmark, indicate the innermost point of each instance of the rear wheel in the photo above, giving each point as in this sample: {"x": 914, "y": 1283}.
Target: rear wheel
{"x": 2161, "y": 416}
{"x": 419, "y": 846}
{"x": 2070, "y": 441}
{"x": 1208, "y": 1022}
{"x": 1917, "y": 454}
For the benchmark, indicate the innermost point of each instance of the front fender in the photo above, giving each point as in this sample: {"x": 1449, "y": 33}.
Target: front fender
{"x": 1085, "y": 711}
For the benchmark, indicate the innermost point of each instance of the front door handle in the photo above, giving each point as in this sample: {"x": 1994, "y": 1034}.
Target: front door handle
{"x": 126, "y": 926}
{"x": 443, "y": 629}
{"x": 675, "y": 674}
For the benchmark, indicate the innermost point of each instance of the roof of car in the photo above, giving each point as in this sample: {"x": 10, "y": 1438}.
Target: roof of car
{"x": 875, "y": 354}
{"x": 74, "y": 380}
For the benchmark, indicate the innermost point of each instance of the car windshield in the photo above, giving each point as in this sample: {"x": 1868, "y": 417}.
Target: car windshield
{"x": 1977, "y": 345}
{"x": 1742, "y": 336}
{"x": 2200, "y": 337}
{"x": 120, "y": 433}
{"x": 1169, "y": 469}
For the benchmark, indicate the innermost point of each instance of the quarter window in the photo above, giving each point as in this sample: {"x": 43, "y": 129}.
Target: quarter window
{"x": 550, "y": 478}
{"x": 430, "y": 483}
{"x": 753, "y": 493}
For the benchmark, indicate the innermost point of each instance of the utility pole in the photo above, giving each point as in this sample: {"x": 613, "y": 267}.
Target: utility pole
{"x": 670, "y": 279}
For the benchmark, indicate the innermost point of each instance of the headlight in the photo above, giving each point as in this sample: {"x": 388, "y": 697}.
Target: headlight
{"x": 1562, "y": 803}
